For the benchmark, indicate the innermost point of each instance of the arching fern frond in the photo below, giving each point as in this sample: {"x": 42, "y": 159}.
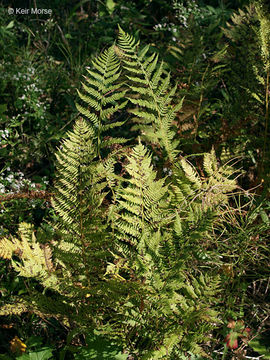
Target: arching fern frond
{"x": 141, "y": 205}
{"x": 79, "y": 193}
{"x": 103, "y": 97}
{"x": 74, "y": 166}
{"x": 151, "y": 94}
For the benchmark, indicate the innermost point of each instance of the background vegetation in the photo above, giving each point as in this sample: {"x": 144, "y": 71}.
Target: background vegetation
{"x": 217, "y": 54}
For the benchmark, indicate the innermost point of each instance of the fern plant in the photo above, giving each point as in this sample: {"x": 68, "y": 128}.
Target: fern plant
{"x": 130, "y": 253}
{"x": 155, "y": 235}
{"x": 249, "y": 30}
{"x": 263, "y": 11}
{"x": 73, "y": 263}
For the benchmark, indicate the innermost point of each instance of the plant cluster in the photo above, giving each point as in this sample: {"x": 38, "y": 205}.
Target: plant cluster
{"x": 144, "y": 202}
{"x": 142, "y": 246}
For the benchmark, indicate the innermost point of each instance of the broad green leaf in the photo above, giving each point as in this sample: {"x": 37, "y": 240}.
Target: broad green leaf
{"x": 44, "y": 354}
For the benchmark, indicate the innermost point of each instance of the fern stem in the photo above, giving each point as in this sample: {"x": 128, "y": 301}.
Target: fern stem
{"x": 98, "y": 139}
{"x": 224, "y": 352}
{"x": 190, "y": 75}
{"x": 200, "y": 102}
{"x": 266, "y": 114}
{"x": 81, "y": 233}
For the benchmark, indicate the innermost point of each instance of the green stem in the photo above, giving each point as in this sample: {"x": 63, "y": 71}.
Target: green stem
{"x": 266, "y": 114}
{"x": 200, "y": 102}
{"x": 82, "y": 228}
{"x": 224, "y": 352}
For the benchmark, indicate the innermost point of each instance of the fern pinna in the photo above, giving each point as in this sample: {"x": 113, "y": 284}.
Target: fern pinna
{"x": 150, "y": 93}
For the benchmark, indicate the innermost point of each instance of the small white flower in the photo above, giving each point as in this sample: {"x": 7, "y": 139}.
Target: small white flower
{"x": 16, "y": 186}
{"x": 9, "y": 178}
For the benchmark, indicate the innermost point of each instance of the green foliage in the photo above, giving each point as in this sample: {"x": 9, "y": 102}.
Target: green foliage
{"x": 99, "y": 348}
{"x": 77, "y": 181}
{"x": 103, "y": 95}
{"x": 142, "y": 256}
{"x": 81, "y": 238}
{"x": 141, "y": 205}
{"x": 151, "y": 93}
{"x": 144, "y": 227}
{"x": 263, "y": 12}
{"x": 42, "y": 354}
{"x": 247, "y": 96}
{"x": 29, "y": 250}
{"x": 152, "y": 283}
{"x": 260, "y": 345}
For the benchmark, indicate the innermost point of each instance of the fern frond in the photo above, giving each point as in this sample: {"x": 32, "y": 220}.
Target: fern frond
{"x": 35, "y": 259}
{"x": 103, "y": 95}
{"x": 151, "y": 83}
{"x": 82, "y": 182}
{"x": 213, "y": 190}
{"x": 18, "y": 308}
{"x": 141, "y": 203}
